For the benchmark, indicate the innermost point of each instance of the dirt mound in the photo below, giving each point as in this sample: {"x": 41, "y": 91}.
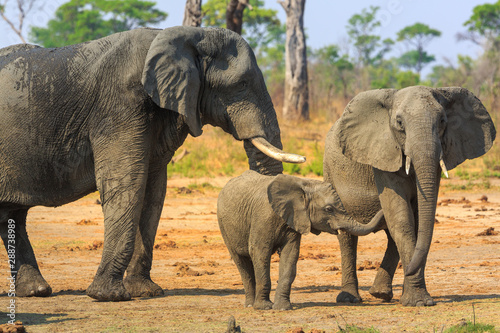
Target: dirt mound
{"x": 488, "y": 232}
{"x": 184, "y": 270}
{"x": 166, "y": 245}
{"x": 17, "y": 327}
{"x": 368, "y": 265}
{"x": 87, "y": 222}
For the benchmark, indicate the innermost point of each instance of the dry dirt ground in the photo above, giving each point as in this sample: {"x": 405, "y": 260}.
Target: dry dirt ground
{"x": 203, "y": 288}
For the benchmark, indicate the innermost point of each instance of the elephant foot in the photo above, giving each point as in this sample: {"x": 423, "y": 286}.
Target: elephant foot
{"x": 282, "y": 305}
{"x": 249, "y": 302}
{"x": 351, "y": 296}
{"x": 108, "y": 289}
{"x": 417, "y": 297}
{"x": 29, "y": 283}
{"x": 263, "y": 305}
{"x": 139, "y": 286}
{"x": 382, "y": 292}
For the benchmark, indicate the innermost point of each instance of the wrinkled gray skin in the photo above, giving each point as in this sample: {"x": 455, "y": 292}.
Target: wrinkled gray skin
{"x": 108, "y": 115}
{"x": 366, "y": 154}
{"x": 259, "y": 215}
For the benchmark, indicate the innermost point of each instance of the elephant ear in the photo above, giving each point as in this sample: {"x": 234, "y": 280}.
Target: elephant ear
{"x": 288, "y": 200}
{"x": 470, "y": 131}
{"x": 171, "y": 74}
{"x": 364, "y": 131}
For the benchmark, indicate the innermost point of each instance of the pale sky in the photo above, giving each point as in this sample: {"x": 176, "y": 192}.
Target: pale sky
{"x": 325, "y": 21}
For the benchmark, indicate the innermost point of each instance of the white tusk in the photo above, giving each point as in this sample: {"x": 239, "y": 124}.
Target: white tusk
{"x": 408, "y": 164}
{"x": 443, "y": 168}
{"x": 264, "y": 146}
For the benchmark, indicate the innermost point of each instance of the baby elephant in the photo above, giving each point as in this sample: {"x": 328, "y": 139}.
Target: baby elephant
{"x": 259, "y": 215}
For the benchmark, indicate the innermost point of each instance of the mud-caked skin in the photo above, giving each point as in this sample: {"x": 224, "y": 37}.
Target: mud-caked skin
{"x": 109, "y": 115}
{"x": 387, "y": 151}
{"x": 259, "y": 215}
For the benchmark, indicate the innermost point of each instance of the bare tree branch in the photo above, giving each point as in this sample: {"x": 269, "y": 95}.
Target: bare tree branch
{"x": 24, "y": 7}
{"x": 468, "y": 36}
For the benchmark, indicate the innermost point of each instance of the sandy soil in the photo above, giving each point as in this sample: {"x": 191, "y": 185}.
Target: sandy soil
{"x": 203, "y": 287}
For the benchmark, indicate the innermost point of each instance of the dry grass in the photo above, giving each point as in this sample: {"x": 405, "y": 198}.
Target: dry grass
{"x": 216, "y": 153}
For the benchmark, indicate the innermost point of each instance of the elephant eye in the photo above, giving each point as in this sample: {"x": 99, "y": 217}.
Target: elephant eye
{"x": 399, "y": 124}
{"x": 243, "y": 85}
{"x": 329, "y": 209}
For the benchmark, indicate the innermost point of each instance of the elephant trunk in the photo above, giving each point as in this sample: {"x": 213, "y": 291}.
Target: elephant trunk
{"x": 264, "y": 152}
{"x": 355, "y": 228}
{"x": 260, "y": 162}
{"x": 427, "y": 182}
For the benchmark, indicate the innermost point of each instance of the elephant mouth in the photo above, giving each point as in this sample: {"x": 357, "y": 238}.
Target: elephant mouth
{"x": 268, "y": 149}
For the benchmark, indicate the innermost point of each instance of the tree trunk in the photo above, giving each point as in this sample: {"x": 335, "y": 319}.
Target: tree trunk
{"x": 296, "y": 103}
{"x": 234, "y": 14}
{"x": 192, "y": 13}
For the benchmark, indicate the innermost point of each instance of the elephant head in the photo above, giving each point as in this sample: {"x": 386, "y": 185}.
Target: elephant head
{"x": 393, "y": 130}
{"x": 210, "y": 76}
{"x": 308, "y": 205}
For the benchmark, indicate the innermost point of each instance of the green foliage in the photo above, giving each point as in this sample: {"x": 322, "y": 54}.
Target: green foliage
{"x": 264, "y": 33}
{"x": 192, "y": 165}
{"x": 332, "y": 73}
{"x": 355, "y": 329}
{"x": 315, "y": 164}
{"x": 291, "y": 169}
{"x": 78, "y": 21}
{"x": 205, "y": 186}
{"x": 361, "y": 30}
{"x": 485, "y": 20}
{"x": 258, "y": 23}
{"x": 418, "y": 35}
{"x": 388, "y": 75}
{"x": 446, "y": 76}
{"x": 415, "y": 59}
{"x": 471, "y": 327}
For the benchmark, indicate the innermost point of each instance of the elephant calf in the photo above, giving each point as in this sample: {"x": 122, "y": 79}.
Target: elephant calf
{"x": 259, "y": 215}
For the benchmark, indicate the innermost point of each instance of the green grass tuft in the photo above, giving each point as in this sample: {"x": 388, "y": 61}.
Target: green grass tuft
{"x": 470, "y": 327}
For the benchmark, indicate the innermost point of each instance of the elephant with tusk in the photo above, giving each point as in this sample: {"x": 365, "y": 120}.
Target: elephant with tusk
{"x": 387, "y": 151}
{"x": 109, "y": 115}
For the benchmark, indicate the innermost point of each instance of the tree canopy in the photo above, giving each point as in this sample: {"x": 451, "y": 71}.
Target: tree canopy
{"x": 361, "y": 29}
{"x": 418, "y": 35}
{"x": 485, "y": 20}
{"x": 81, "y": 20}
{"x": 258, "y": 23}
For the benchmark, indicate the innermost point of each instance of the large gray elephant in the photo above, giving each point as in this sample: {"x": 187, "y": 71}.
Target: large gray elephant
{"x": 259, "y": 215}
{"x": 109, "y": 115}
{"x": 386, "y": 151}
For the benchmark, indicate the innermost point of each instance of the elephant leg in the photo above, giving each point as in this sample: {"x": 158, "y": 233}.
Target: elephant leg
{"x": 382, "y": 286}
{"x": 348, "y": 251}
{"x": 24, "y": 268}
{"x": 245, "y": 267}
{"x": 400, "y": 217}
{"x": 288, "y": 270}
{"x": 138, "y": 280}
{"x": 121, "y": 175}
{"x": 261, "y": 260}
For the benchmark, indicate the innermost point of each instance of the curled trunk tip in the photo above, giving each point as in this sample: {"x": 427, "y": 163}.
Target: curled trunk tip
{"x": 358, "y": 229}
